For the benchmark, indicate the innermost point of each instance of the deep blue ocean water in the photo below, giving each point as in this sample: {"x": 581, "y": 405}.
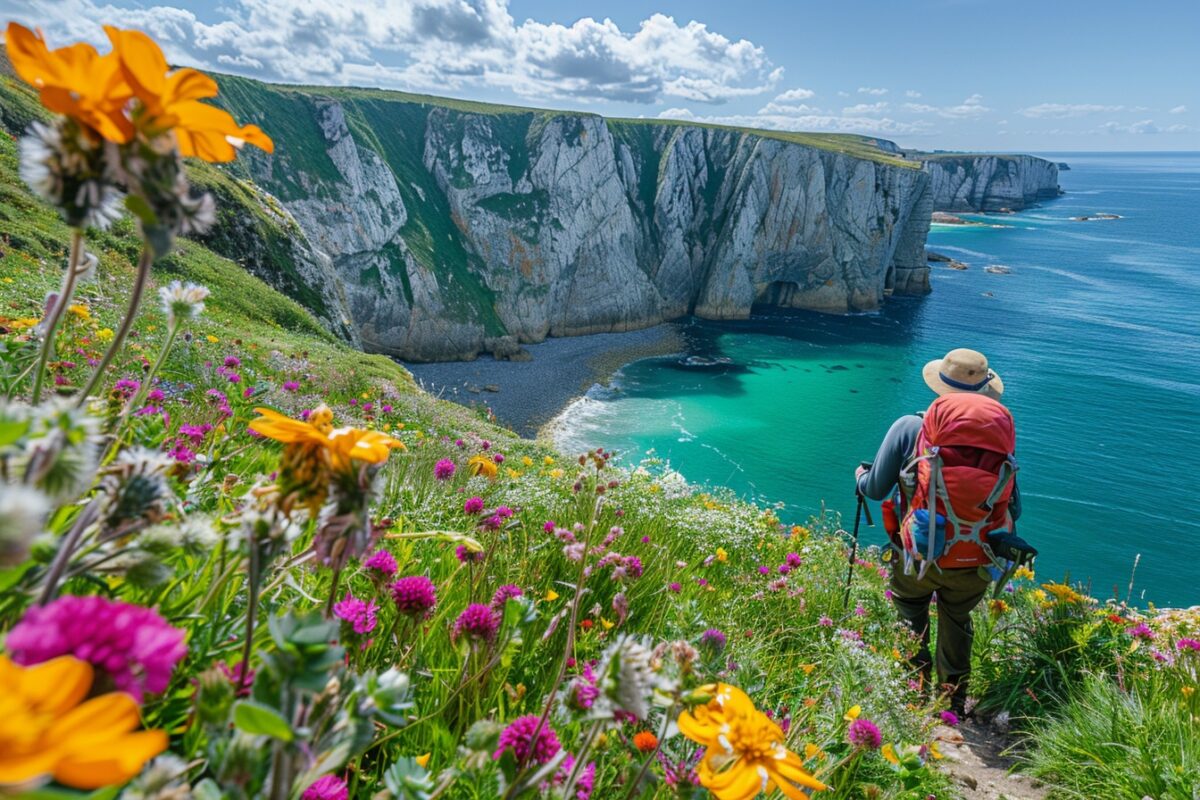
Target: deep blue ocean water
{"x": 1095, "y": 331}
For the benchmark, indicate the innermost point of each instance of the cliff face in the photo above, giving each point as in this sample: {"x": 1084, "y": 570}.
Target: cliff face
{"x": 991, "y": 182}
{"x": 438, "y": 230}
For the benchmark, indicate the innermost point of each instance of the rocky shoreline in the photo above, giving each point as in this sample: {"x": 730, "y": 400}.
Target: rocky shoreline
{"x": 525, "y": 395}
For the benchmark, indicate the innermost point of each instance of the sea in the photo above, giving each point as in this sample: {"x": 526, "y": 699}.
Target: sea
{"x": 1094, "y": 327}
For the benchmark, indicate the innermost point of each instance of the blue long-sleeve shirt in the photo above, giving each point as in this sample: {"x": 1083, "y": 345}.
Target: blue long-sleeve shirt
{"x": 879, "y": 482}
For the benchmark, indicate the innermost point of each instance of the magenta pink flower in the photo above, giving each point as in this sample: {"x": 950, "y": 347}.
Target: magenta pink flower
{"x": 584, "y": 783}
{"x": 467, "y": 556}
{"x": 793, "y": 560}
{"x": 383, "y": 562}
{"x": 473, "y": 506}
{"x": 675, "y": 587}
{"x": 477, "y": 622}
{"x": 1141, "y": 631}
{"x": 584, "y": 689}
{"x": 1188, "y": 644}
{"x": 414, "y": 595}
{"x": 549, "y": 526}
{"x": 444, "y": 469}
{"x": 291, "y": 386}
{"x": 359, "y": 613}
{"x": 232, "y": 362}
{"x": 864, "y": 734}
{"x": 503, "y": 594}
{"x": 949, "y": 718}
{"x": 519, "y": 737}
{"x": 133, "y": 644}
{"x": 329, "y": 787}
{"x": 713, "y": 639}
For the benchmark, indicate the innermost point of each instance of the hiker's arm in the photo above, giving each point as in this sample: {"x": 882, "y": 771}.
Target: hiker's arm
{"x": 877, "y": 482}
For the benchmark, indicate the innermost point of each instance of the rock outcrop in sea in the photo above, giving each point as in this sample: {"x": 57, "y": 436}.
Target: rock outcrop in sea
{"x": 965, "y": 182}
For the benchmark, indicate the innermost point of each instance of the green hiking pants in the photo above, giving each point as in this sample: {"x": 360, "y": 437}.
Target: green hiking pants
{"x": 958, "y": 592}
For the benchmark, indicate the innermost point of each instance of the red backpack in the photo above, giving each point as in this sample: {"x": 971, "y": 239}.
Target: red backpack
{"x": 957, "y": 484}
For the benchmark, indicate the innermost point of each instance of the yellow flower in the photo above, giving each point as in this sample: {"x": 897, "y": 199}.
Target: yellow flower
{"x": 808, "y": 668}
{"x": 607, "y": 625}
{"x": 1063, "y": 592}
{"x": 47, "y": 729}
{"x": 1188, "y": 691}
{"x": 745, "y": 752}
{"x": 527, "y": 461}
{"x": 1023, "y": 572}
{"x": 1038, "y": 595}
{"x": 852, "y": 714}
{"x": 212, "y": 339}
{"x": 171, "y": 101}
{"x": 889, "y": 754}
{"x": 556, "y": 473}
{"x": 105, "y": 334}
{"x": 365, "y": 396}
{"x": 551, "y": 595}
{"x": 811, "y": 751}
{"x": 79, "y": 310}
{"x": 998, "y": 607}
{"x": 482, "y": 465}
{"x": 933, "y": 751}
{"x": 548, "y": 461}
{"x": 423, "y": 760}
{"x": 76, "y": 81}
{"x": 722, "y": 555}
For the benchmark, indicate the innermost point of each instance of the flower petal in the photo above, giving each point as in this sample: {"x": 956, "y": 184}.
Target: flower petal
{"x": 51, "y": 687}
{"x": 97, "y": 720}
{"x": 111, "y": 762}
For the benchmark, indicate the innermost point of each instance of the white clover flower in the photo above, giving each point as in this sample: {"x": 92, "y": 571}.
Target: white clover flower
{"x": 627, "y": 677}
{"x": 22, "y": 512}
{"x": 182, "y": 301}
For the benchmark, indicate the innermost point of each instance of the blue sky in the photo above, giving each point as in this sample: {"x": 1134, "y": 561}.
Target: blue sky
{"x": 956, "y": 74}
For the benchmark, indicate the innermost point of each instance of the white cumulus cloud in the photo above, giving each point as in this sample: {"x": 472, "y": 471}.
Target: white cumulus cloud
{"x": 432, "y": 45}
{"x": 971, "y": 107}
{"x": 1178, "y": 110}
{"x": 795, "y": 94}
{"x": 872, "y": 91}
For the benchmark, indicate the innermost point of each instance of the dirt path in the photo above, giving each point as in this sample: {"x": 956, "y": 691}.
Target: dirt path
{"x": 975, "y": 760}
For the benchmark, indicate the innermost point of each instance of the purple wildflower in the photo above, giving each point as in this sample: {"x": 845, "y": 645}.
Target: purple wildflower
{"x": 675, "y": 587}
{"x": 291, "y": 386}
{"x": 584, "y": 689}
{"x": 359, "y": 613}
{"x": 329, "y": 787}
{"x": 1141, "y": 631}
{"x": 133, "y": 644}
{"x": 473, "y": 505}
{"x": 518, "y": 737}
{"x": 467, "y": 556}
{"x": 503, "y": 594}
{"x": 232, "y": 362}
{"x": 382, "y": 562}
{"x": 825, "y": 621}
{"x": 585, "y": 782}
{"x": 793, "y": 560}
{"x": 444, "y": 469}
{"x": 414, "y": 595}
{"x": 549, "y": 526}
{"x": 155, "y": 396}
{"x": 1188, "y": 644}
{"x": 864, "y": 734}
{"x": 633, "y": 566}
{"x": 713, "y": 639}
{"x": 764, "y": 570}
{"x": 949, "y": 718}
{"x": 477, "y": 622}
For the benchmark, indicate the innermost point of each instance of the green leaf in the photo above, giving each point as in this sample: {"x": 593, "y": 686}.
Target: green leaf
{"x": 256, "y": 718}
{"x": 141, "y": 209}
{"x": 11, "y": 430}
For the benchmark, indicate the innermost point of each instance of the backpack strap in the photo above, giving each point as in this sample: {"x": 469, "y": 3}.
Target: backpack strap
{"x": 1008, "y": 472}
{"x": 935, "y": 481}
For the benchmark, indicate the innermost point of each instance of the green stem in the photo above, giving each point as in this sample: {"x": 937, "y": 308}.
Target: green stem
{"x": 56, "y": 313}
{"x": 135, "y": 300}
{"x": 65, "y": 551}
{"x": 144, "y": 389}
{"x": 251, "y": 610}
{"x": 662, "y": 732}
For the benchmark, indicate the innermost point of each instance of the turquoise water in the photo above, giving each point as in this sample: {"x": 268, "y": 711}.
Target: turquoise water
{"x": 1095, "y": 332}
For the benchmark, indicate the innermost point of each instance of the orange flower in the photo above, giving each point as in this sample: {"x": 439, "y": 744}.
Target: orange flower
{"x": 75, "y": 81}
{"x": 645, "y": 741}
{"x": 482, "y": 465}
{"x": 171, "y": 101}
{"x": 340, "y": 446}
{"x": 45, "y": 731}
{"x": 745, "y": 753}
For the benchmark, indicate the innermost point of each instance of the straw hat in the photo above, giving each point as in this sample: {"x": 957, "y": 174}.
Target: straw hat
{"x": 963, "y": 370}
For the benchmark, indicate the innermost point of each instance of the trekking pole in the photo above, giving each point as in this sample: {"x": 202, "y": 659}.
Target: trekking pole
{"x": 858, "y": 515}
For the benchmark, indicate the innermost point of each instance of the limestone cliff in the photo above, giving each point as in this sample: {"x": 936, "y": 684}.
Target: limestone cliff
{"x": 438, "y": 229}
{"x": 989, "y": 182}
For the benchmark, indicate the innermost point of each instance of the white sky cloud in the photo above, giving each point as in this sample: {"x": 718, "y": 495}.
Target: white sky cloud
{"x": 1178, "y": 110}
{"x": 1064, "y": 110}
{"x": 971, "y": 107}
{"x": 871, "y": 91}
{"x": 865, "y": 109}
{"x": 435, "y": 45}
{"x": 1146, "y": 126}
{"x": 795, "y": 94}
{"x": 912, "y": 93}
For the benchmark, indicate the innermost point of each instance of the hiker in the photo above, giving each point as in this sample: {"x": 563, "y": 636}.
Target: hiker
{"x": 963, "y": 445}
